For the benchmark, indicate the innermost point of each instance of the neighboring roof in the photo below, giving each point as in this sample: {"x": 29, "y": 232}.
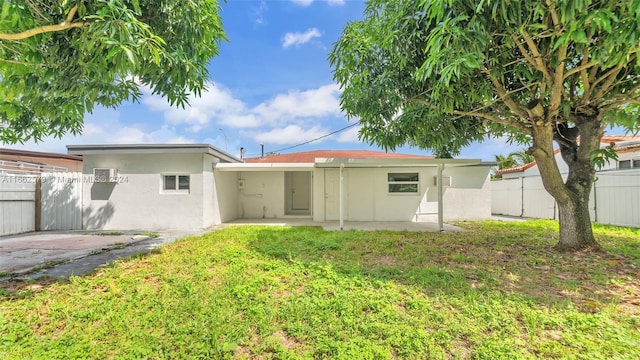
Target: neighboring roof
{"x": 151, "y": 149}
{"x": 311, "y": 156}
{"x": 39, "y": 154}
{"x": 620, "y": 143}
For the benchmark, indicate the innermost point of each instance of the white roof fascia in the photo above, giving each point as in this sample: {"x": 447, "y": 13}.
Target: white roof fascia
{"x": 336, "y": 162}
{"x": 264, "y": 166}
{"x": 150, "y": 149}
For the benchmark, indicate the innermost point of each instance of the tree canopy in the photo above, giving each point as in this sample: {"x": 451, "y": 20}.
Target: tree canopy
{"x": 440, "y": 74}
{"x": 59, "y": 59}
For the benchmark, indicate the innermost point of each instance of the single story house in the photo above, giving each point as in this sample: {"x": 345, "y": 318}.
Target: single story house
{"x": 14, "y": 161}
{"x": 195, "y": 186}
{"x": 627, "y": 148}
{"x": 613, "y": 198}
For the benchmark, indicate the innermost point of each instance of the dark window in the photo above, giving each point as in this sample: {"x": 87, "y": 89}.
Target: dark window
{"x": 169, "y": 182}
{"x": 183, "y": 182}
{"x": 624, "y": 164}
{"x": 403, "y": 183}
{"x": 397, "y": 177}
{"x": 176, "y": 183}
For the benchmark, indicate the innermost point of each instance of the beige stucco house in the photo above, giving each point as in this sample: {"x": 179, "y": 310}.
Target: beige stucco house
{"x": 195, "y": 186}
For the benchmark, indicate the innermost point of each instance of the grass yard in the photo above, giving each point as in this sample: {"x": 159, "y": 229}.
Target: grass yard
{"x": 495, "y": 291}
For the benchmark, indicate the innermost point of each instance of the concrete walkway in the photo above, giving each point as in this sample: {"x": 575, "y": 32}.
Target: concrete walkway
{"x": 62, "y": 254}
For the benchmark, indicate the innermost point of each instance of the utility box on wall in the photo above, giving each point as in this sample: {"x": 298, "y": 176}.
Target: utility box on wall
{"x": 446, "y": 181}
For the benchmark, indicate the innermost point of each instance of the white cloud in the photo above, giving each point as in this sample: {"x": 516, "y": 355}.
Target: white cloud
{"x": 104, "y": 126}
{"x": 289, "y": 134}
{"x": 323, "y": 101}
{"x": 349, "y": 135}
{"x": 259, "y": 13}
{"x": 306, "y": 3}
{"x": 218, "y": 106}
{"x": 302, "y": 2}
{"x": 216, "y": 102}
{"x": 299, "y": 38}
{"x": 241, "y": 121}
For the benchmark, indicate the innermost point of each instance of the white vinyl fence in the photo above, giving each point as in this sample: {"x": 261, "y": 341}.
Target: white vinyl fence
{"x": 61, "y": 201}
{"x": 615, "y": 198}
{"x": 49, "y": 201}
{"x": 17, "y": 204}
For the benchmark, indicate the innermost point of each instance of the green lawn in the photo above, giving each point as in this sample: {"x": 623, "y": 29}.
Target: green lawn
{"x": 497, "y": 290}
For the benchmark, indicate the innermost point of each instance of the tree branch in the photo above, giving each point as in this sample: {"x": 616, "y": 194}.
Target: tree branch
{"x": 609, "y": 77}
{"x": 540, "y": 65}
{"x": 65, "y": 25}
{"x": 580, "y": 69}
{"x": 586, "y": 85}
{"x": 557, "y": 88}
{"x": 494, "y": 119}
{"x": 622, "y": 99}
{"x": 17, "y": 62}
{"x": 502, "y": 92}
{"x": 554, "y": 14}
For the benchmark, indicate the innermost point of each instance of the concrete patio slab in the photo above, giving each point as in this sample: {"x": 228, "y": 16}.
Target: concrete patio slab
{"x": 77, "y": 252}
{"x": 348, "y": 225}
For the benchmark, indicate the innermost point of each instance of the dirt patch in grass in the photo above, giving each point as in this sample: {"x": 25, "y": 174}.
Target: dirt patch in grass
{"x": 20, "y": 289}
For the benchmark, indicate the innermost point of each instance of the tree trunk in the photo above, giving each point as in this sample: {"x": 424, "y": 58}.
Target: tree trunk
{"x": 572, "y": 195}
{"x": 575, "y": 226}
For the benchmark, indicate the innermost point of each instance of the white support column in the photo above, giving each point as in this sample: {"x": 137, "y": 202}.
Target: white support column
{"x": 440, "y": 196}
{"x": 341, "y": 197}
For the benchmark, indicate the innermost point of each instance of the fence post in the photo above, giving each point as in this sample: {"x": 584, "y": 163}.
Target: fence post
{"x": 521, "y": 196}
{"x": 595, "y": 202}
{"x": 38, "y": 202}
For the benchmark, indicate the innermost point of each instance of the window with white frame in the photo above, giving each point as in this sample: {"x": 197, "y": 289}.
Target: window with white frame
{"x": 175, "y": 183}
{"x": 403, "y": 183}
{"x": 628, "y": 164}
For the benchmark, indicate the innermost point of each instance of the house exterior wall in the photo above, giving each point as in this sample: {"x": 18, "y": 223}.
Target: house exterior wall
{"x": 625, "y": 155}
{"x": 137, "y": 201}
{"x": 469, "y": 197}
{"x": 226, "y": 195}
{"x": 262, "y": 196}
{"x": 367, "y": 196}
{"x": 317, "y": 195}
{"x": 70, "y": 164}
{"x": 564, "y": 168}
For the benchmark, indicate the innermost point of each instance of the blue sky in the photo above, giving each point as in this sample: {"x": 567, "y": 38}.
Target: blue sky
{"x": 271, "y": 85}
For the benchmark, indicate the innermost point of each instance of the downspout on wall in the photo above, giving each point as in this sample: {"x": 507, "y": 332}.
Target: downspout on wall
{"x": 440, "y": 196}
{"x": 341, "y": 197}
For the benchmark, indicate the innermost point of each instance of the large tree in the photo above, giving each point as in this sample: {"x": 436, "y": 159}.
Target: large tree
{"x": 59, "y": 59}
{"x": 440, "y": 74}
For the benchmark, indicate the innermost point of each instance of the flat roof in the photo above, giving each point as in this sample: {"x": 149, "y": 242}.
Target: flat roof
{"x": 351, "y": 163}
{"x": 311, "y": 156}
{"x": 40, "y": 154}
{"x": 151, "y": 149}
{"x": 423, "y": 162}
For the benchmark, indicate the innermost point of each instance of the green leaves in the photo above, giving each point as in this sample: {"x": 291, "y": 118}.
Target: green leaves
{"x": 461, "y": 68}
{"x": 601, "y": 157}
{"x": 51, "y": 79}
